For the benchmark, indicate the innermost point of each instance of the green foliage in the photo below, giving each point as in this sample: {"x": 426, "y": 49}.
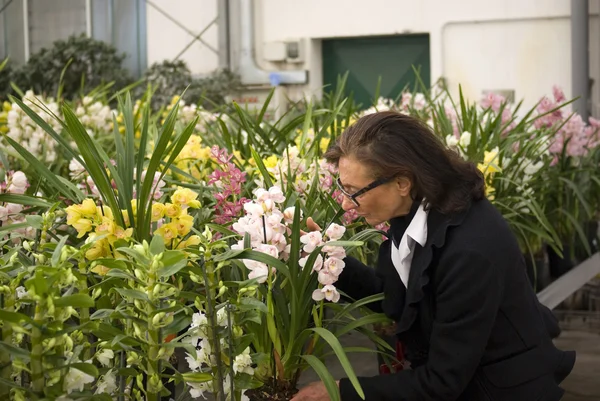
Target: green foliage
{"x": 72, "y": 68}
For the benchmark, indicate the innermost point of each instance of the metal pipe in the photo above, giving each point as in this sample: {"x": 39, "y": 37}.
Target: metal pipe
{"x": 250, "y": 73}
{"x": 224, "y": 35}
{"x": 88, "y": 18}
{"x": 26, "y": 29}
{"x": 580, "y": 57}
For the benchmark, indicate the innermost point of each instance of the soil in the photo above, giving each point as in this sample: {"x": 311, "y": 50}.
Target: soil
{"x": 271, "y": 392}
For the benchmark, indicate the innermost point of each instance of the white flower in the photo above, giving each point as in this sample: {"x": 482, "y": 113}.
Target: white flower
{"x": 253, "y": 209}
{"x": 14, "y": 208}
{"x": 533, "y": 168}
{"x": 76, "y": 380}
{"x": 197, "y": 389}
{"x": 288, "y": 215}
{"x": 328, "y": 292}
{"x": 465, "y": 139}
{"x": 334, "y": 266}
{"x": 335, "y": 251}
{"x": 105, "y": 356}
{"x": 451, "y": 141}
{"x": 335, "y": 231}
{"x": 243, "y": 363}
{"x": 3, "y": 213}
{"x": 198, "y": 319}
{"x": 311, "y": 240}
{"x": 76, "y": 169}
{"x": 258, "y": 270}
{"x": 20, "y": 292}
{"x": 318, "y": 265}
{"x": 108, "y": 383}
{"x": 268, "y": 249}
{"x": 19, "y": 180}
{"x": 326, "y": 278}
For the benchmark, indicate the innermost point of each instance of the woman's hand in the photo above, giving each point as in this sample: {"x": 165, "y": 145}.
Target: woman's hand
{"x": 313, "y": 392}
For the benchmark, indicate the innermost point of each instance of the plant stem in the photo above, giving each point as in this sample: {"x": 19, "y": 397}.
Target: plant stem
{"x": 6, "y": 368}
{"x": 211, "y": 316}
{"x": 37, "y": 370}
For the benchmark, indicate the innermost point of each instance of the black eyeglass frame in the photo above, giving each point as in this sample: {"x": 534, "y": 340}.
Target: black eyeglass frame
{"x": 360, "y": 192}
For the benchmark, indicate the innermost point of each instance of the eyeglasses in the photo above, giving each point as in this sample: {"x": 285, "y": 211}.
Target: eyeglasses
{"x": 360, "y": 192}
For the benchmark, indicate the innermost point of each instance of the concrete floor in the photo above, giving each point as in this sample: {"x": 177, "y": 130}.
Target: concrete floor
{"x": 583, "y": 384}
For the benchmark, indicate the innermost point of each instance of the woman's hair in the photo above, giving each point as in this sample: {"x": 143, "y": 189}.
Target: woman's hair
{"x": 392, "y": 144}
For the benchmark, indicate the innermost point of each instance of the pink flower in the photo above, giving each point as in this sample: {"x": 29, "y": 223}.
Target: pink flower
{"x": 326, "y": 278}
{"x": 311, "y": 241}
{"x": 493, "y": 101}
{"x": 334, "y": 266}
{"x": 559, "y": 95}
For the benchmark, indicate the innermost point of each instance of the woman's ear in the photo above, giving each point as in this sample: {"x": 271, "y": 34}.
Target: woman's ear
{"x": 404, "y": 186}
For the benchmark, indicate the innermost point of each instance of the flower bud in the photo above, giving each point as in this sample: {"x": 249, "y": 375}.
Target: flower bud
{"x": 97, "y": 292}
{"x": 27, "y": 246}
{"x": 157, "y": 318}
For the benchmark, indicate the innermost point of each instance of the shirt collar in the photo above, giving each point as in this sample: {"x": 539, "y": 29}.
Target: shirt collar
{"x": 417, "y": 229}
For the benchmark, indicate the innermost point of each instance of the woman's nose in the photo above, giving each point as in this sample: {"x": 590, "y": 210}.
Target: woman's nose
{"x": 347, "y": 204}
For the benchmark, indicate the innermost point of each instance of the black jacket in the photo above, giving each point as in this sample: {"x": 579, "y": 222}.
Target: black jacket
{"x": 473, "y": 326}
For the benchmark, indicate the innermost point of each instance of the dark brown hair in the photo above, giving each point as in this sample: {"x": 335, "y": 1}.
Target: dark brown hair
{"x": 397, "y": 145}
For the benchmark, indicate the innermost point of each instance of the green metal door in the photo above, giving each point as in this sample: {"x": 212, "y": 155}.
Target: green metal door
{"x": 366, "y": 59}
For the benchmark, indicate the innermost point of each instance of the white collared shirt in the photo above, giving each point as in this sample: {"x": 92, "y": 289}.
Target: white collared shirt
{"x": 416, "y": 232}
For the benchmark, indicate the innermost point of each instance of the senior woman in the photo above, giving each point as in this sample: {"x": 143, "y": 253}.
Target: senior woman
{"x": 453, "y": 276}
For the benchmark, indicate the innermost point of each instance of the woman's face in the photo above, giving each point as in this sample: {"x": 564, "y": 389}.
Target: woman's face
{"x": 380, "y": 204}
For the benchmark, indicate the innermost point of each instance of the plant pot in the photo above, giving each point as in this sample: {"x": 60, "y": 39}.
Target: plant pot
{"x": 272, "y": 391}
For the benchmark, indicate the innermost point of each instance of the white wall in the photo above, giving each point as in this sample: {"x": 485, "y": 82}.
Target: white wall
{"x": 482, "y": 44}
{"x": 166, "y": 40}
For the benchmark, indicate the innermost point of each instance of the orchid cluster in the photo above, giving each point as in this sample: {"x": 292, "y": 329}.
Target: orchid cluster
{"x": 188, "y": 112}
{"x": 15, "y": 182}
{"x": 575, "y": 138}
{"x": 77, "y": 172}
{"x": 193, "y": 158}
{"x": 228, "y": 180}
{"x": 268, "y": 228}
{"x": 205, "y": 358}
{"x": 95, "y": 116}
{"x": 22, "y": 129}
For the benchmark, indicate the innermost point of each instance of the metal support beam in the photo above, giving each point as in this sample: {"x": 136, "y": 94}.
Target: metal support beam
{"x": 224, "y": 34}
{"x": 570, "y": 282}
{"x": 580, "y": 58}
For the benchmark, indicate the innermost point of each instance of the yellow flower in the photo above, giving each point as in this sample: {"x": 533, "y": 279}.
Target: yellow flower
{"x": 121, "y": 233}
{"x": 167, "y": 232}
{"x": 107, "y": 226}
{"x": 134, "y": 204}
{"x": 184, "y": 224}
{"x": 82, "y": 226}
{"x": 193, "y": 240}
{"x": 158, "y": 211}
{"x": 6, "y": 106}
{"x": 172, "y": 210}
{"x": 100, "y": 269}
{"x": 88, "y": 208}
{"x": 104, "y": 211}
{"x": 73, "y": 214}
{"x": 324, "y": 144}
{"x": 98, "y": 250}
{"x": 183, "y": 196}
{"x": 271, "y": 161}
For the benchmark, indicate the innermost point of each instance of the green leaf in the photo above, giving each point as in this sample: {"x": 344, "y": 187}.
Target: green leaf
{"x": 261, "y": 167}
{"x": 58, "y": 250}
{"x": 16, "y": 352}
{"x": 249, "y": 303}
{"x": 14, "y": 317}
{"x": 101, "y": 314}
{"x": 87, "y": 368}
{"x": 339, "y": 352}
{"x": 75, "y": 300}
{"x": 24, "y": 200}
{"x": 326, "y": 377}
{"x": 196, "y": 377}
{"x": 157, "y": 245}
{"x": 130, "y": 293}
{"x": 255, "y": 255}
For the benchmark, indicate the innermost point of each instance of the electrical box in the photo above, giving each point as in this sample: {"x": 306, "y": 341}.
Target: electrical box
{"x": 275, "y": 51}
